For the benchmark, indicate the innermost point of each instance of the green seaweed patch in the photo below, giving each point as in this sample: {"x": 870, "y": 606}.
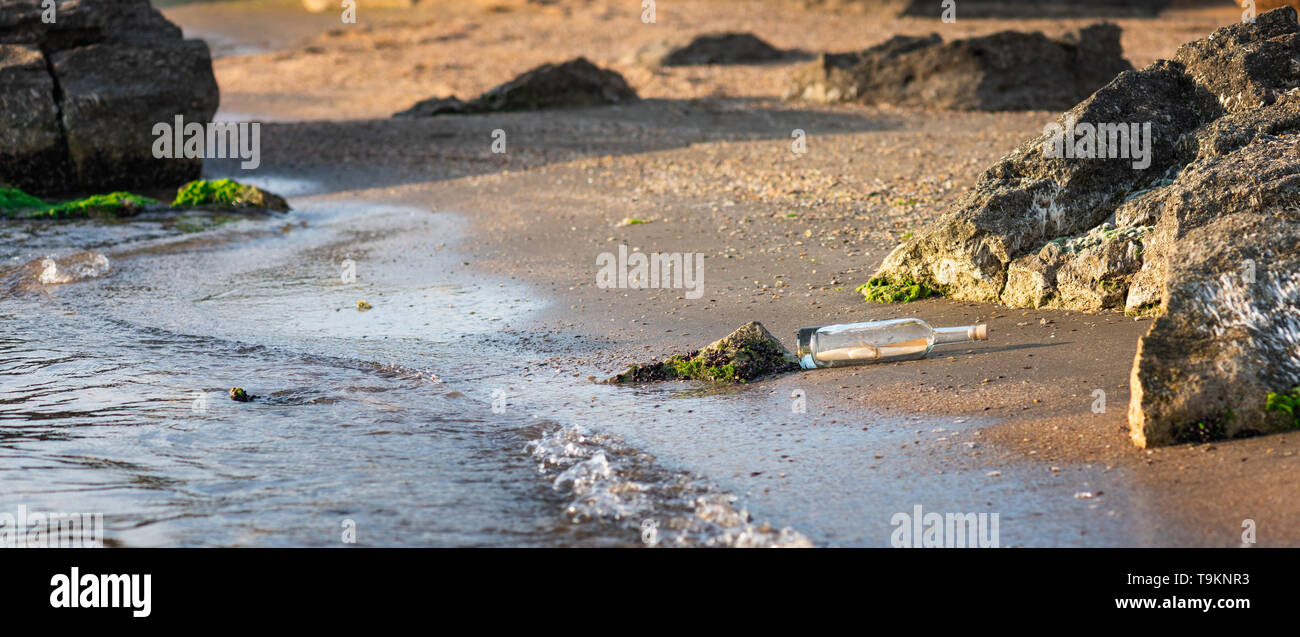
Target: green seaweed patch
{"x": 15, "y": 200}
{"x": 113, "y": 204}
{"x": 15, "y": 203}
{"x": 1288, "y": 402}
{"x": 713, "y": 366}
{"x": 220, "y": 194}
{"x": 226, "y": 193}
{"x": 204, "y": 192}
{"x": 882, "y": 291}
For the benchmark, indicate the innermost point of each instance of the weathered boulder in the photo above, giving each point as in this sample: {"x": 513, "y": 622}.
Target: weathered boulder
{"x": 1027, "y": 200}
{"x": 1009, "y": 70}
{"x": 708, "y": 48}
{"x": 572, "y": 84}
{"x": 114, "y": 69}
{"x": 33, "y": 152}
{"x": 1229, "y": 333}
{"x": 113, "y": 94}
{"x": 1157, "y": 194}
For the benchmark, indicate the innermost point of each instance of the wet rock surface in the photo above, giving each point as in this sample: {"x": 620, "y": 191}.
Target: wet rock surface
{"x": 1009, "y": 70}
{"x": 572, "y": 84}
{"x": 709, "y": 48}
{"x": 111, "y": 70}
{"x": 748, "y": 353}
{"x": 1199, "y": 231}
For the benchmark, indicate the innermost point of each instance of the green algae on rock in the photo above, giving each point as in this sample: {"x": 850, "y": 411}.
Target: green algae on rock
{"x": 113, "y": 204}
{"x": 15, "y": 203}
{"x": 748, "y": 353}
{"x": 15, "y": 199}
{"x": 881, "y": 291}
{"x": 220, "y": 194}
{"x": 227, "y": 193}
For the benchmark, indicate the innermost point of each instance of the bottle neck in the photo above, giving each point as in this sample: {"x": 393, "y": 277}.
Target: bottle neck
{"x": 965, "y": 334}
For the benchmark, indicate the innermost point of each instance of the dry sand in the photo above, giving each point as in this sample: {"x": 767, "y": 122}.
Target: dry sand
{"x": 707, "y": 161}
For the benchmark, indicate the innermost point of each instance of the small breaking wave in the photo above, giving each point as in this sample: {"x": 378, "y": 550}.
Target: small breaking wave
{"x": 75, "y": 267}
{"x": 41, "y": 273}
{"x": 604, "y": 480}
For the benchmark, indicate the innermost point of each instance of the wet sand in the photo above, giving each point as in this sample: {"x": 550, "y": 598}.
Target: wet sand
{"x": 787, "y": 237}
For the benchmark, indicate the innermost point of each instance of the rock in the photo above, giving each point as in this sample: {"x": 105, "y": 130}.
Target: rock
{"x": 112, "y": 96}
{"x": 1087, "y": 272}
{"x": 1229, "y": 331}
{"x": 74, "y": 25}
{"x": 227, "y": 194}
{"x": 1009, "y": 70}
{"x": 709, "y": 48}
{"x": 438, "y": 106}
{"x": 1200, "y": 232}
{"x": 33, "y": 152}
{"x": 114, "y": 69}
{"x": 572, "y": 84}
{"x": 1026, "y": 200}
{"x": 1037, "y": 8}
{"x": 748, "y": 353}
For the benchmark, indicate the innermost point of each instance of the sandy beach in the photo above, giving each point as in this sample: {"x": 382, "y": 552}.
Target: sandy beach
{"x": 705, "y": 159}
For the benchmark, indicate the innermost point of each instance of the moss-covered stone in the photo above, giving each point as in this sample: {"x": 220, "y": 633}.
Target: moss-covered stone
{"x": 15, "y": 203}
{"x": 746, "y": 354}
{"x": 227, "y": 193}
{"x": 114, "y": 204}
{"x": 882, "y": 291}
{"x": 220, "y": 194}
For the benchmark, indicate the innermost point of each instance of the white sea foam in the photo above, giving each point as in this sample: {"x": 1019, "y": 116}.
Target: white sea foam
{"x": 606, "y": 481}
{"x": 76, "y": 267}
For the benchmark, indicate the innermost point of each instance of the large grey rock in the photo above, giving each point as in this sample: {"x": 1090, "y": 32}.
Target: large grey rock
{"x": 1203, "y": 236}
{"x": 1009, "y": 70}
{"x": 113, "y": 94}
{"x": 113, "y": 69}
{"x": 1027, "y": 200}
{"x": 572, "y": 84}
{"x": 1230, "y": 330}
{"x": 31, "y": 141}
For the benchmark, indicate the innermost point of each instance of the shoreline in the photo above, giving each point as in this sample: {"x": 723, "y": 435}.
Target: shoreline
{"x": 708, "y": 165}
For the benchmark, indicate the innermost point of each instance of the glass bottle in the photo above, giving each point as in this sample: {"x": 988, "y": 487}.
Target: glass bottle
{"x": 878, "y": 341}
